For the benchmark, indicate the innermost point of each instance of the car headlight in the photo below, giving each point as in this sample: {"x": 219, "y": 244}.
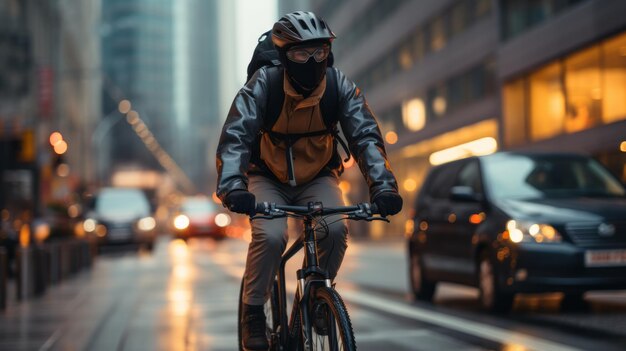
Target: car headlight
{"x": 146, "y": 224}
{"x": 89, "y": 225}
{"x": 181, "y": 222}
{"x": 525, "y": 231}
{"x": 222, "y": 220}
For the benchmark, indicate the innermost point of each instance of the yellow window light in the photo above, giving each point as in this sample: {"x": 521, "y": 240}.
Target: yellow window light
{"x": 414, "y": 114}
{"x": 410, "y": 184}
{"x": 391, "y": 137}
{"x": 483, "y": 146}
{"x": 60, "y": 147}
{"x": 55, "y": 138}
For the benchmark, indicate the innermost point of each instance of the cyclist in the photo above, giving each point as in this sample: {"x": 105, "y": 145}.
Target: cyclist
{"x": 252, "y": 160}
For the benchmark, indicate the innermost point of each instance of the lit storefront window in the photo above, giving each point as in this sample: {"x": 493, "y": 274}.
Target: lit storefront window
{"x": 547, "y": 102}
{"x": 582, "y": 88}
{"x": 514, "y": 108}
{"x": 614, "y": 79}
{"x": 571, "y": 94}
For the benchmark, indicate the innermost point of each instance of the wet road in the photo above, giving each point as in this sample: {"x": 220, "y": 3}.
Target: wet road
{"x": 184, "y": 297}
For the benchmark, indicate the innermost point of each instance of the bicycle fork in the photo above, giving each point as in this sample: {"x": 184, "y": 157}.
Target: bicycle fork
{"x": 301, "y": 322}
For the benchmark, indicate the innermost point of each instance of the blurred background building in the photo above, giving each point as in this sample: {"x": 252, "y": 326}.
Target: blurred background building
{"x": 145, "y": 85}
{"x": 49, "y": 80}
{"x": 453, "y": 78}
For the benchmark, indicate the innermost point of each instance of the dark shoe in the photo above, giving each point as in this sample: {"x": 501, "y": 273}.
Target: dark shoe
{"x": 320, "y": 319}
{"x": 254, "y": 329}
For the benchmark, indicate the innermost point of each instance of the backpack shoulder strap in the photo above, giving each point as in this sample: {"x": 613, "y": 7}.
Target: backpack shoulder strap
{"x": 275, "y": 96}
{"x": 329, "y": 104}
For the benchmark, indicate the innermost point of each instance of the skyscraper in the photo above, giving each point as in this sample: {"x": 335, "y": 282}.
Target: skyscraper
{"x": 138, "y": 55}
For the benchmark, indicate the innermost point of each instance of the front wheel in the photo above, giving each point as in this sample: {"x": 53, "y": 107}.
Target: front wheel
{"x": 422, "y": 288}
{"x": 491, "y": 297}
{"x": 332, "y": 329}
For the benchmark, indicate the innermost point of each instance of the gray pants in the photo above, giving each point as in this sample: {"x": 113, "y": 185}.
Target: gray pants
{"x": 269, "y": 237}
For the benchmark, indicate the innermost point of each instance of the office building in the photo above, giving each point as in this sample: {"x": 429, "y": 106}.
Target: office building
{"x": 452, "y": 78}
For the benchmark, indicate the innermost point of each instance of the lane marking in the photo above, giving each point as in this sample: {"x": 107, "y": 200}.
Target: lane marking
{"x": 488, "y": 332}
{"x": 391, "y": 334}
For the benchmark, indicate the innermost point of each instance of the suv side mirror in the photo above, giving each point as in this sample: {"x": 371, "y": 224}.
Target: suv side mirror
{"x": 464, "y": 194}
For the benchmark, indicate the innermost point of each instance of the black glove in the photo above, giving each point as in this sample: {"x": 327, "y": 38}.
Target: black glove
{"x": 388, "y": 203}
{"x": 240, "y": 201}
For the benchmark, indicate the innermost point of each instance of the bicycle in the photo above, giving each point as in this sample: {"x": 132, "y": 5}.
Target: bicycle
{"x": 315, "y": 293}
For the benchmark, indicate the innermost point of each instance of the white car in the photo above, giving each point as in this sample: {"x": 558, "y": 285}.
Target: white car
{"x": 121, "y": 216}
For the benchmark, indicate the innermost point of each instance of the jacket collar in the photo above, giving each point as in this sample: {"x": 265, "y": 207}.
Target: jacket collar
{"x": 302, "y": 102}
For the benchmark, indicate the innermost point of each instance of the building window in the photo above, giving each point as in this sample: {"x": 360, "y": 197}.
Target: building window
{"x": 405, "y": 57}
{"x": 575, "y": 93}
{"x": 483, "y": 8}
{"x": 614, "y": 79}
{"x": 520, "y": 15}
{"x": 437, "y": 31}
{"x": 547, "y": 102}
{"x": 432, "y": 37}
{"x": 414, "y": 114}
{"x": 418, "y": 45}
{"x": 458, "y": 18}
{"x": 583, "y": 90}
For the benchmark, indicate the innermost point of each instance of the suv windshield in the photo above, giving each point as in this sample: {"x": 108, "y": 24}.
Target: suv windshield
{"x": 198, "y": 206}
{"x": 540, "y": 176}
{"x": 114, "y": 202}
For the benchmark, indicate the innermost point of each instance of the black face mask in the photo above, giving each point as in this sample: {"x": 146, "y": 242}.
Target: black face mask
{"x": 305, "y": 77}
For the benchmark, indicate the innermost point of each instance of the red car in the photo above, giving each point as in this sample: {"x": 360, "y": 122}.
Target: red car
{"x": 200, "y": 217}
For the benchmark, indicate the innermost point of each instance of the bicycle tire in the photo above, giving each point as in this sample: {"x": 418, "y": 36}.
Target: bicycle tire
{"x": 271, "y": 317}
{"x": 339, "y": 331}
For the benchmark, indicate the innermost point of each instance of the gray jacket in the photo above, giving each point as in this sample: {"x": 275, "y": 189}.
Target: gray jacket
{"x": 244, "y": 123}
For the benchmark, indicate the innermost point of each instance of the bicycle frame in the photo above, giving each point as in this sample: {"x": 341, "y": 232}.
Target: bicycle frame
{"x": 311, "y": 274}
{"x": 311, "y": 268}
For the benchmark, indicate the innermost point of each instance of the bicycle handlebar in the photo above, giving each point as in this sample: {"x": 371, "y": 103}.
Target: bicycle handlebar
{"x": 317, "y": 209}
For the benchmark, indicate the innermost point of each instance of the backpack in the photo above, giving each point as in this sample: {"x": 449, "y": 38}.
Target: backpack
{"x": 265, "y": 55}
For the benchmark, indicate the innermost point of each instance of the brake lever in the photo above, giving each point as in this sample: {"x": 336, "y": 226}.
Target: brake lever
{"x": 368, "y": 218}
{"x": 272, "y": 215}
{"x": 384, "y": 219}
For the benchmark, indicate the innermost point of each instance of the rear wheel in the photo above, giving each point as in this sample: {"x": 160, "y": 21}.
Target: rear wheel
{"x": 422, "y": 288}
{"x": 332, "y": 330}
{"x": 491, "y": 297}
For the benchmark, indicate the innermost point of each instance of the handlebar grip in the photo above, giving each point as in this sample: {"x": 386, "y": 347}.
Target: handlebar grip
{"x": 261, "y": 207}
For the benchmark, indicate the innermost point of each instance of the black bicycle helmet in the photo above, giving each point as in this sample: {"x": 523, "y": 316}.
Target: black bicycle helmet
{"x": 298, "y": 27}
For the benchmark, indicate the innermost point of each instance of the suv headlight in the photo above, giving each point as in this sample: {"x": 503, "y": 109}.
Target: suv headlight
{"x": 89, "y": 225}
{"x": 146, "y": 224}
{"x": 524, "y": 231}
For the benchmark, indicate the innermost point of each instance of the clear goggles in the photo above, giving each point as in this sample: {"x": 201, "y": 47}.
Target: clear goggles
{"x": 302, "y": 54}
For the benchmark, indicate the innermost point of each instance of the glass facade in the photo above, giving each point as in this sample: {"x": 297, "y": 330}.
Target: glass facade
{"x": 580, "y": 91}
{"x": 442, "y": 98}
{"x": 520, "y": 15}
{"x": 429, "y": 38}
{"x": 365, "y": 24}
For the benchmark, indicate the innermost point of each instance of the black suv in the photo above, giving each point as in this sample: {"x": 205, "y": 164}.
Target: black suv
{"x": 519, "y": 222}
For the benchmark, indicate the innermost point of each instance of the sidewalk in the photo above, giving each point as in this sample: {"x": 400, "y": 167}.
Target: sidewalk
{"x": 170, "y": 300}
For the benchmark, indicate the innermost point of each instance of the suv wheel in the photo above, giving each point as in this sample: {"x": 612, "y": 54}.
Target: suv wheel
{"x": 491, "y": 298}
{"x": 423, "y": 289}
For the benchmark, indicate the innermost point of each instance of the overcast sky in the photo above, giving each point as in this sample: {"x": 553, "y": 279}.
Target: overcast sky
{"x": 255, "y": 17}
